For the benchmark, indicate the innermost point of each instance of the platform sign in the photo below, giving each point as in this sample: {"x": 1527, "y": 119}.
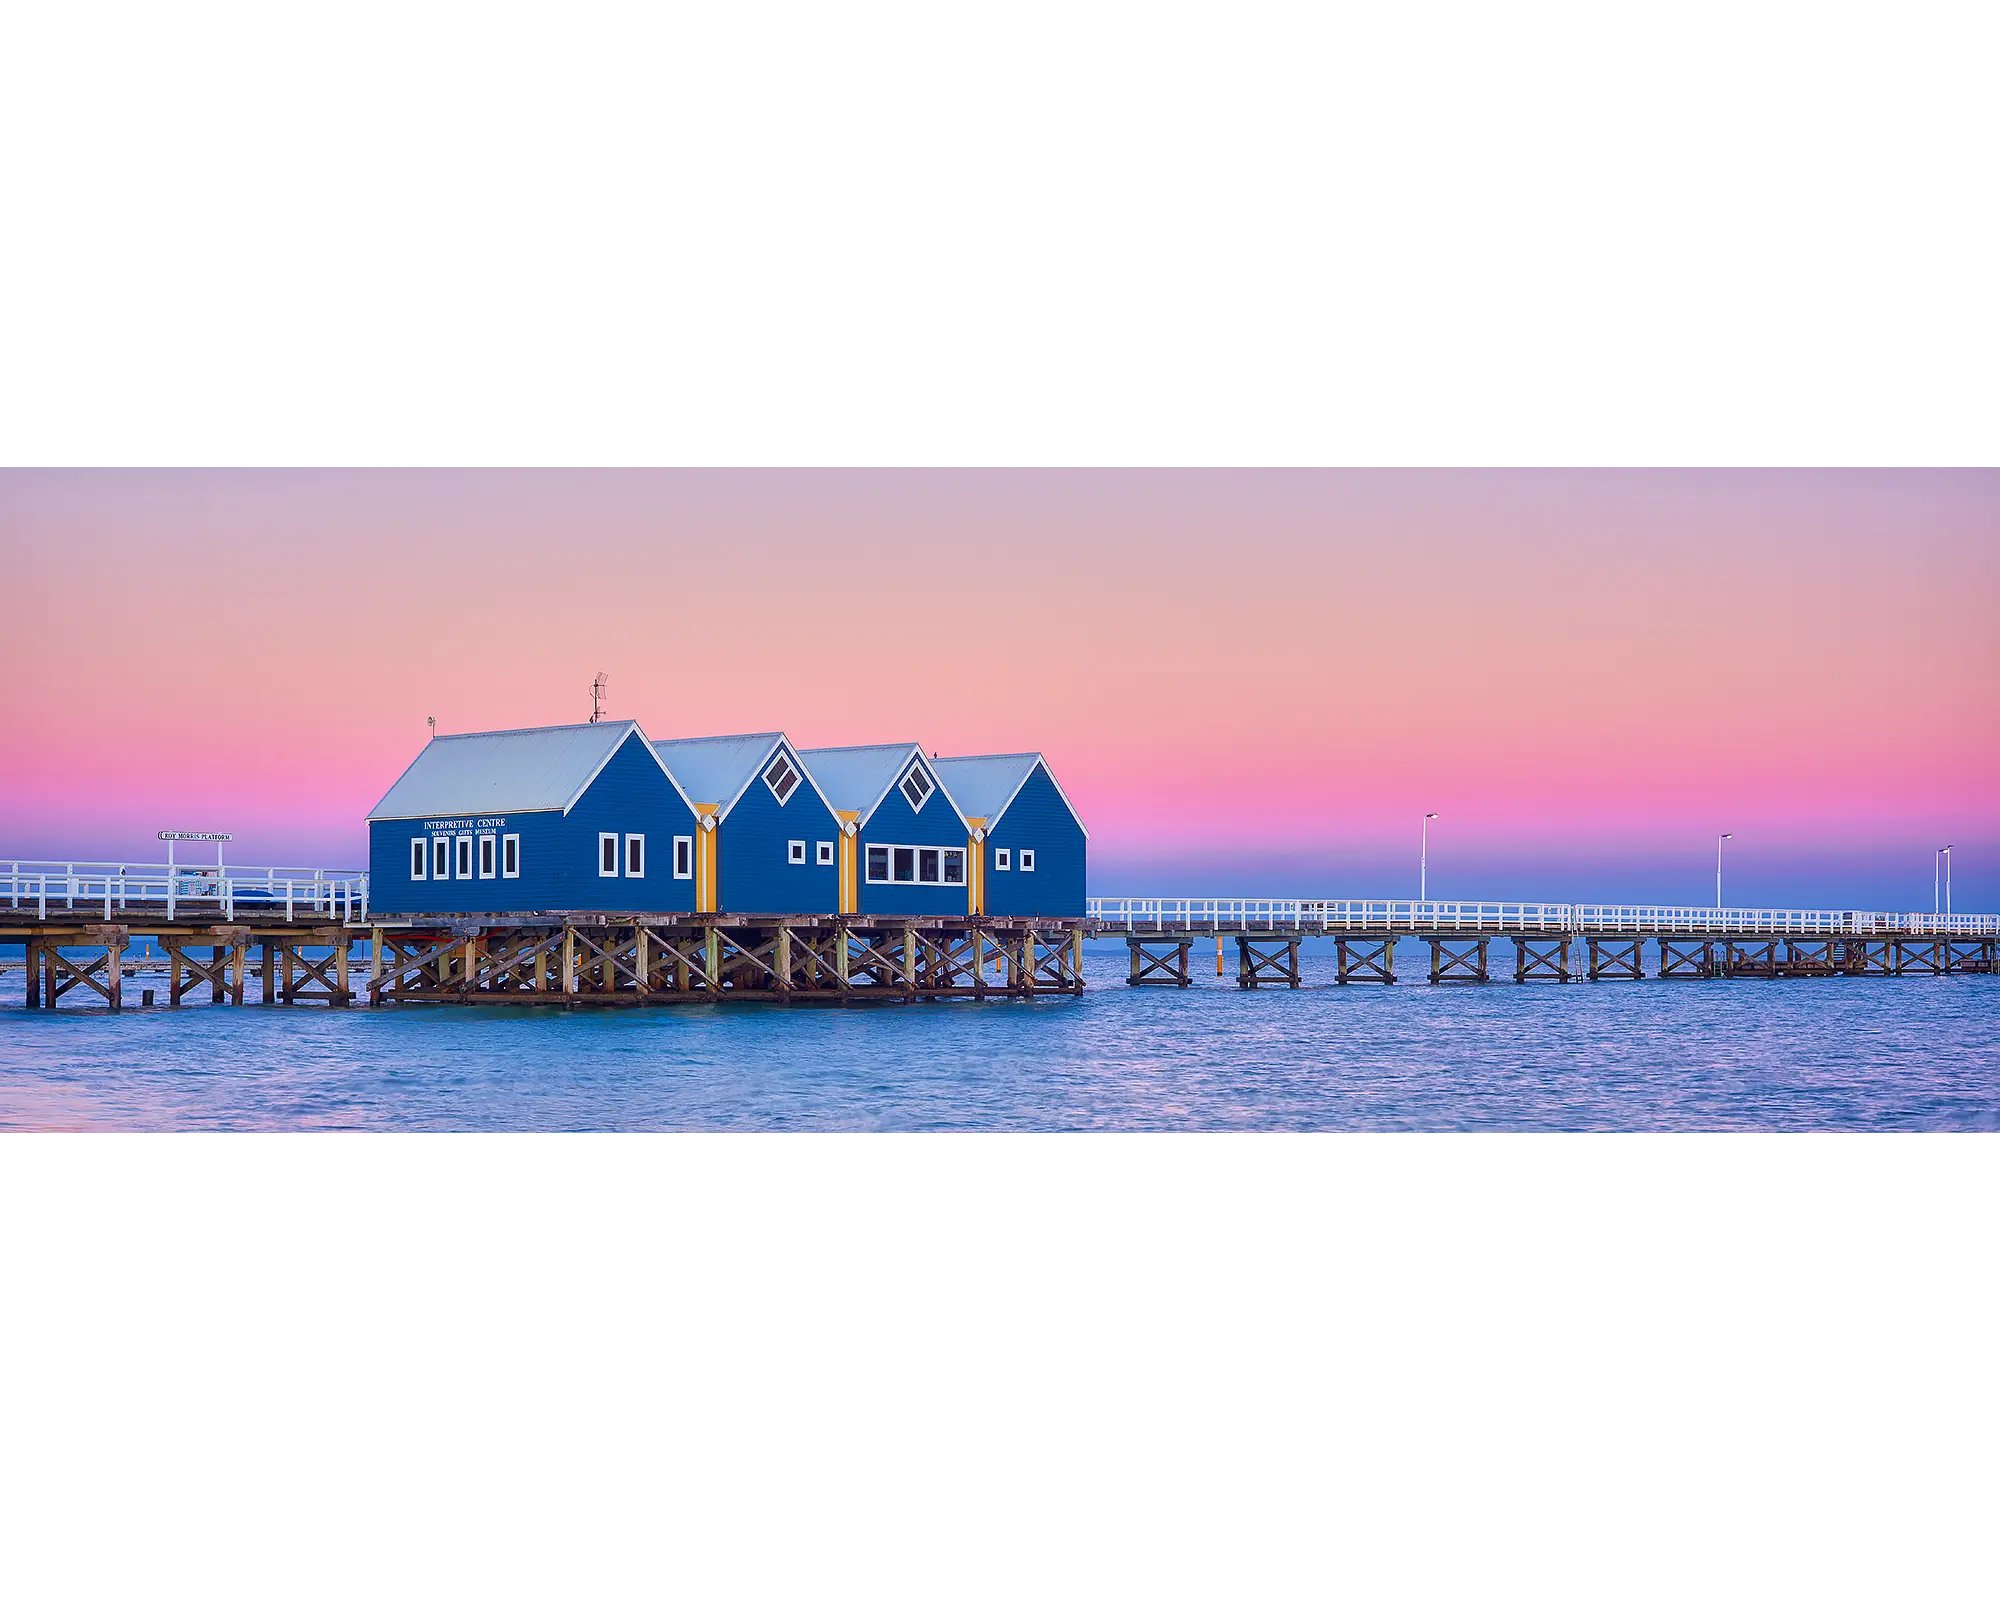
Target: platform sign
{"x": 217, "y": 838}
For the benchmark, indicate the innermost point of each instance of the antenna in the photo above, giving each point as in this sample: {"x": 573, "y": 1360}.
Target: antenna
{"x": 433, "y": 721}
{"x": 597, "y": 688}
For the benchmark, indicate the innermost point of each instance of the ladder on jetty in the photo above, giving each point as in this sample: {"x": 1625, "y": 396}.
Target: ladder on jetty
{"x": 1561, "y": 943}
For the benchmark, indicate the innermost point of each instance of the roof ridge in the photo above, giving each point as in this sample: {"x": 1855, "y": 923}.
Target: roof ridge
{"x": 553, "y": 727}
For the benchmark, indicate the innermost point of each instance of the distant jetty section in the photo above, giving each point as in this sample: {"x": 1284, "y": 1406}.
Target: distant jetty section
{"x": 310, "y": 934}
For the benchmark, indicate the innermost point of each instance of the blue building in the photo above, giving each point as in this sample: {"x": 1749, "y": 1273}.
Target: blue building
{"x": 1028, "y": 842}
{"x": 768, "y": 840}
{"x": 580, "y": 818}
{"x": 904, "y": 847}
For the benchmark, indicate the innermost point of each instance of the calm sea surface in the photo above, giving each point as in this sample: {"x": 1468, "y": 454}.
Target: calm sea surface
{"x": 1829, "y": 1053}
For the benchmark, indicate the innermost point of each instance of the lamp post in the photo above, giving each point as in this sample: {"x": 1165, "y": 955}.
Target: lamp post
{"x": 1941, "y": 868}
{"x": 1718, "y": 867}
{"x": 1424, "y": 857}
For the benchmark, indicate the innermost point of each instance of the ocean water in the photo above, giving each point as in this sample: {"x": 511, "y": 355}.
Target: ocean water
{"x": 1877, "y": 1053}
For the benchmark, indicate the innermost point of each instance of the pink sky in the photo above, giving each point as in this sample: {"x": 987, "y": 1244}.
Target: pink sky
{"x": 1214, "y": 661}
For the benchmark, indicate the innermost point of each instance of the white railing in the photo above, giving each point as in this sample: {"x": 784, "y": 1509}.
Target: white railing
{"x": 1226, "y": 914}
{"x": 176, "y": 891}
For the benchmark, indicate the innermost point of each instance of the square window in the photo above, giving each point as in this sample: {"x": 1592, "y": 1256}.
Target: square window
{"x": 465, "y": 855}
{"x": 954, "y": 866}
{"x": 683, "y": 856}
{"x": 782, "y": 778}
{"x": 440, "y": 856}
{"x": 488, "y": 854}
{"x": 1027, "y": 861}
{"x": 1003, "y": 860}
{"x": 510, "y": 855}
{"x": 420, "y": 855}
{"x": 795, "y": 852}
{"x": 906, "y": 864}
{"x": 823, "y": 852}
{"x": 917, "y": 787}
{"x": 635, "y": 855}
{"x": 607, "y": 855}
{"x": 878, "y": 863}
{"x": 927, "y": 866}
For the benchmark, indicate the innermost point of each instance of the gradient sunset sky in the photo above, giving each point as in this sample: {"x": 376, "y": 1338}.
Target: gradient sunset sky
{"x": 1248, "y": 680}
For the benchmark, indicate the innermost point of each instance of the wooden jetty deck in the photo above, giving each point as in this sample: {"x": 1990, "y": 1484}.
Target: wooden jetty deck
{"x": 309, "y": 935}
{"x": 1560, "y": 943}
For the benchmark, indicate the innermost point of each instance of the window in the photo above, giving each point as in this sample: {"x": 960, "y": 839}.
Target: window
{"x": 465, "y": 855}
{"x": 1027, "y": 861}
{"x": 440, "y": 856}
{"x": 607, "y": 855}
{"x": 927, "y": 866}
{"x": 823, "y": 853}
{"x": 683, "y": 856}
{"x": 878, "y": 863}
{"x": 954, "y": 866}
{"x": 795, "y": 852}
{"x": 1002, "y": 859}
{"x": 917, "y": 787}
{"x": 420, "y": 855}
{"x": 510, "y": 855}
{"x": 635, "y": 855}
{"x": 904, "y": 868}
{"x": 781, "y": 777}
{"x": 488, "y": 849}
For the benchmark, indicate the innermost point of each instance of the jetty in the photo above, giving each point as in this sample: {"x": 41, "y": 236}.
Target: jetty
{"x": 299, "y": 934}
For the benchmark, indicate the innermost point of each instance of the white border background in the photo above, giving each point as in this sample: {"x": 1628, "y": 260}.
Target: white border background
{"x": 1553, "y": 234}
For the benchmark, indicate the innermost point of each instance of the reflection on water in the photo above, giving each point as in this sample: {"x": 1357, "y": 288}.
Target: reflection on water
{"x": 1831, "y": 1053}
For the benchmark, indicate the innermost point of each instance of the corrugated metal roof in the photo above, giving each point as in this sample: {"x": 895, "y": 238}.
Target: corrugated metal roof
{"x": 855, "y": 777}
{"x": 714, "y": 771}
{"x": 982, "y": 785}
{"x": 522, "y": 769}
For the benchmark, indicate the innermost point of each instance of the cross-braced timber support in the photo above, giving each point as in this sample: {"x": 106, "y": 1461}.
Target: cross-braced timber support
{"x": 1159, "y": 961}
{"x": 1752, "y": 958}
{"x": 1457, "y": 960}
{"x": 1536, "y": 957}
{"x": 1972, "y": 955}
{"x": 1687, "y": 958}
{"x": 1815, "y": 958}
{"x": 1615, "y": 957}
{"x": 1924, "y": 957}
{"x": 1364, "y": 960}
{"x": 1262, "y": 963}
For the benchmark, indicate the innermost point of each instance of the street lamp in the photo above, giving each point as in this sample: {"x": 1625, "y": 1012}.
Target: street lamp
{"x": 1424, "y": 857}
{"x": 1941, "y": 859}
{"x": 1718, "y": 867}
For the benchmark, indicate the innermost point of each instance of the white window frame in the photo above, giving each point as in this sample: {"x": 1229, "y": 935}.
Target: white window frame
{"x": 420, "y": 860}
{"x": 489, "y": 855}
{"x": 630, "y": 840}
{"x": 1003, "y": 859}
{"x": 1027, "y": 860}
{"x": 791, "y": 766}
{"x": 795, "y": 852}
{"x": 507, "y": 839}
{"x": 823, "y": 853}
{"x": 930, "y": 786}
{"x": 464, "y": 854}
{"x": 440, "y": 857}
{"x": 612, "y": 870}
{"x": 915, "y": 880}
{"x": 683, "y": 853}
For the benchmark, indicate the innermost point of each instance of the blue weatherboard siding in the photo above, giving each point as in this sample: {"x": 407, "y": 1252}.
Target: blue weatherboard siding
{"x": 752, "y": 876}
{"x": 1038, "y": 821}
{"x": 558, "y": 853}
{"x": 894, "y": 823}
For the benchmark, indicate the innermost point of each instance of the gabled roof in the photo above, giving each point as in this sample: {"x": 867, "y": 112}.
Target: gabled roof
{"x": 857, "y": 777}
{"x": 521, "y": 769}
{"x": 985, "y": 786}
{"x": 716, "y": 771}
